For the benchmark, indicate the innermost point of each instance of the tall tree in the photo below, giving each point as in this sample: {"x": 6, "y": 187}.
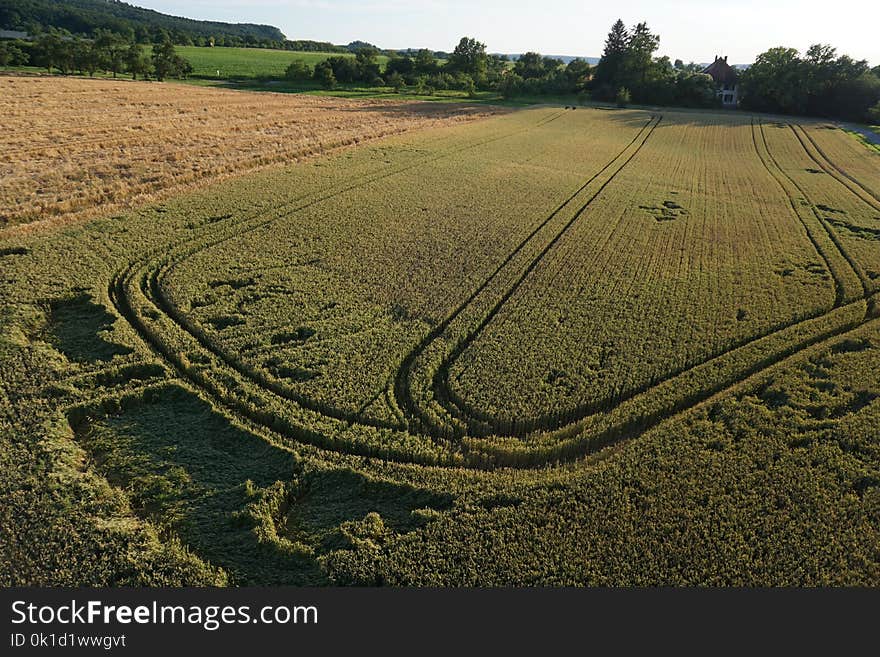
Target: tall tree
{"x": 111, "y": 49}
{"x": 775, "y": 82}
{"x": 137, "y": 61}
{"x": 49, "y": 51}
{"x": 403, "y": 66}
{"x": 611, "y": 66}
{"x": 640, "y": 50}
{"x": 579, "y": 72}
{"x": 367, "y": 60}
{"x": 324, "y": 74}
{"x": 11, "y": 54}
{"x": 821, "y": 83}
{"x": 85, "y": 57}
{"x": 529, "y": 65}
{"x": 167, "y": 63}
{"x": 425, "y": 62}
{"x": 469, "y": 57}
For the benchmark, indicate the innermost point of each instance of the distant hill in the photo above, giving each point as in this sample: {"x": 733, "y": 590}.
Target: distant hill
{"x": 85, "y": 16}
{"x": 439, "y": 54}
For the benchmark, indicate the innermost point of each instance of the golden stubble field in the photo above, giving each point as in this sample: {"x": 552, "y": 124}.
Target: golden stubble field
{"x": 72, "y": 148}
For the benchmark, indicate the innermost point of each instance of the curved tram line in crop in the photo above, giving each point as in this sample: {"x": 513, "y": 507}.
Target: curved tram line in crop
{"x": 162, "y": 262}
{"x": 137, "y": 294}
{"x": 481, "y": 424}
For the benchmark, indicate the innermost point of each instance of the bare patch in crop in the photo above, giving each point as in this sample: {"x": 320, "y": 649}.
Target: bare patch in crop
{"x": 668, "y": 211}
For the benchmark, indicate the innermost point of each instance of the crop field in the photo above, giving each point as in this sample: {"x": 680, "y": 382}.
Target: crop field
{"x": 123, "y": 143}
{"x": 551, "y": 346}
{"x": 244, "y": 63}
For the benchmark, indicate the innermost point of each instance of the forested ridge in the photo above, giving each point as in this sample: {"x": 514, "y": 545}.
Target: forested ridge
{"x": 83, "y": 17}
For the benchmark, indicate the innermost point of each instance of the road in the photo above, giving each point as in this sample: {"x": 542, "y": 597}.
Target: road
{"x": 866, "y": 132}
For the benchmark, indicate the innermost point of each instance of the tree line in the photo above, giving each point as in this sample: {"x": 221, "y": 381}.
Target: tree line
{"x": 469, "y": 67}
{"x": 819, "y": 83}
{"x": 627, "y": 72}
{"x": 108, "y": 51}
{"x": 84, "y": 18}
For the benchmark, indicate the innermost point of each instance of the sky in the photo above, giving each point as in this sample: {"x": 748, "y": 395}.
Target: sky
{"x": 692, "y": 30}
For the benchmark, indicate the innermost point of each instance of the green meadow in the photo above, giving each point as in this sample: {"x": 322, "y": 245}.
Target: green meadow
{"x": 225, "y": 63}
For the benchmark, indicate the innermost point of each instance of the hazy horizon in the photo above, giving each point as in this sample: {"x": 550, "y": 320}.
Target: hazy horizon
{"x": 689, "y": 30}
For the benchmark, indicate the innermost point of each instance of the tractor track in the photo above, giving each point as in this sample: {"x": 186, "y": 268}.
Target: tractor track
{"x": 832, "y": 167}
{"x": 778, "y": 175}
{"x": 150, "y": 285}
{"x": 151, "y": 278}
{"x": 481, "y": 424}
{"x": 402, "y": 389}
{"x": 866, "y": 284}
{"x": 173, "y": 260}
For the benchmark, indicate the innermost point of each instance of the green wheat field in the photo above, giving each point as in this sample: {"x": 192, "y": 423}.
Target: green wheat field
{"x": 548, "y": 347}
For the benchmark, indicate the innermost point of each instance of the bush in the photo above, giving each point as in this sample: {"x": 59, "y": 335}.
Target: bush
{"x": 423, "y": 88}
{"x": 324, "y": 75}
{"x": 874, "y": 113}
{"x": 298, "y": 71}
{"x": 442, "y": 81}
{"x": 623, "y": 97}
{"x": 12, "y": 55}
{"x": 345, "y": 69}
{"x": 511, "y": 85}
{"x": 464, "y": 82}
{"x": 167, "y": 63}
{"x": 395, "y": 81}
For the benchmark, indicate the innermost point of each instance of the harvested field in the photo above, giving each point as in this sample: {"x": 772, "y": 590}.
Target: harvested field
{"x": 74, "y": 148}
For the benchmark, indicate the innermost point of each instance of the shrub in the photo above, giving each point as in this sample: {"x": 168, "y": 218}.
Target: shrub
{"x": 298, "y": 71}
{"x": 324, "y": 75}
{"x": 395, "y": 80}
{"x": 441, "y": 81}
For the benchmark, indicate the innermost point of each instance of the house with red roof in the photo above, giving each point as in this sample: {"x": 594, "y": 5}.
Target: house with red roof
{"x": 726, "y": 80}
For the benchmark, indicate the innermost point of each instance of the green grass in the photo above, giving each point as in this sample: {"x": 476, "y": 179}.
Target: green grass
{"x": 235, "y": 63}
{"x": 407, "y": 93}
{"x": 249, "y": 63}
{"x": 351, "y": 91}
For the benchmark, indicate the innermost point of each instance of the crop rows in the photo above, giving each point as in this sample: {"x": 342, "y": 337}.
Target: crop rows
{"x": 406, "y": 258}
{"x": 136, "y": 294}
{"x": 851, "y": 215}
{"x": 644, "y": 407}
{"x": 77, "y": 158}
{"x": 628, "y": 287}
{"x": 411, "y": 413}
{"x": 848, "y": 156}
{"x": 561, "y": 281}
{"x": 243, "y": 386}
